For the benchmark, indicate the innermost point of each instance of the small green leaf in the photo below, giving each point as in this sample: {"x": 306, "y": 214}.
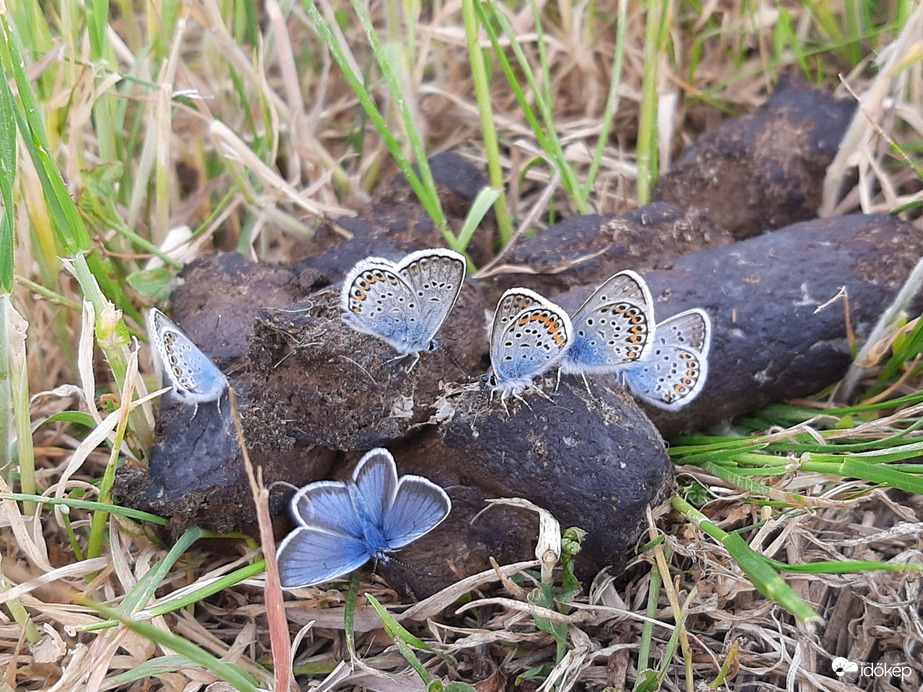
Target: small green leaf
{"x": 152, "y": 283}
{"x": 537, "y": 673}
{"x": 647, "y": 681}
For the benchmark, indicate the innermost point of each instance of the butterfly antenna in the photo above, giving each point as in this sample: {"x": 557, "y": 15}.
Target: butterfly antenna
{"x": 412, "y": 568}
{"x": 459, "y": 366}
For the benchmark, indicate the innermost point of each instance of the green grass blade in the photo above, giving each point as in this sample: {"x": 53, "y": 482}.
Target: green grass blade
{"x": 430, "y": 198}
{"x": 657, "y": 10}
{"x": 151, "y": 668}
{"x": 14, "y": 345}
{"x": 906, "y": 348}
{"x": 751, "y": 486}
{"x": 7, "y": 181}
{"x": 424, "y": 189}
{"x": 393, "y": 628}
{"x": 846, "y": 567}
{"x": 612, "y": 101}
{"x": 647, "y": 632}
{"x": 403, "y": 640}
{"x": 191, "y": 597}
{"x": 482, "y": 204}
{"x": 196, "y": 656}
{"x": 349, "y": 612}
{"x": 148, "y": 584}
{"x": 488, "y": 130}
{"x": 88, "y": 505}
{"x": 760, "y": 573}
{"x": 507, "y": 68}
{"x": 204, "y": 592}
{"x": 856, "y": 468}
{"x": 113, "y": 338}
{"x": 549, "y": 142}
{"x": 545, "y": 93}
{"x": 97, "y": 18}
{"x": 68, "y": 225}
{"x": 7, "y": 417}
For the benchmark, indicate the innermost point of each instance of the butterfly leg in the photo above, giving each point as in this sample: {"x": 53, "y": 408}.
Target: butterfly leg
{"x": 539, "y": 392}
{"x": 416, "y": 358}
{"x": 526, "y": 403}
{"x": 586, "y": 384}
{"x": 502, "y": 400}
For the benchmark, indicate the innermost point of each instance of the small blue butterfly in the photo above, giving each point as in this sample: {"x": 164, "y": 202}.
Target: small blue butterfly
{"x": 613, "y": 327}
{"x": 675, "y": 371}
{"x": 344, "y": 525}
{"x": 403, "y": 304}
{"x": 529, "y": 335}
{"x": 194, "y": 378}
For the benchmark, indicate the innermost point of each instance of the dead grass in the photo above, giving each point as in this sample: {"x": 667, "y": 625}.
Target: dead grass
{"x": 245, "y": 132}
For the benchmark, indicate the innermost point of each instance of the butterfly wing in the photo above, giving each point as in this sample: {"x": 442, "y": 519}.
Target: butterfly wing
{"x": 676, "y": 370}
{"x": 194, "y": 378}
{"x": 436, "y": 278}
{"x": 376, "y": 300}
{"x": 403, "y": 304}
{"x": 327, "y": 506}
{"x": 329, "y": 540}
{"x": 310, "y": 555}
{"x": 374, "y": 485}
{"x": 526, "y": 343}
{"x": 342, "y": 525}
{"x": 613, "y": 327}
{"x": 512, "y": 302}
{"x": 419, "y": 506}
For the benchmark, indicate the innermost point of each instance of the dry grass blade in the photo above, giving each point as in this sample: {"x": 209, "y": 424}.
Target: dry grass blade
{"x": 229, "y": 126}
{"x": 433, "y": 605}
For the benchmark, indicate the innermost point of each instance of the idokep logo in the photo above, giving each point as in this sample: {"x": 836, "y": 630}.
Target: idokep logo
{"x": 843, "y": 666}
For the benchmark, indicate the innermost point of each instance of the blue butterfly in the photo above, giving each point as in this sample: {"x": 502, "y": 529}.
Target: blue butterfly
{"x": 194, "y": 378}
{"x": 674, "y": 372}
{"x": 344, "y": 525}
{"x": 403, "y": 304}
{"x": 529, "y": 334}
{"x": 613, "y": 327}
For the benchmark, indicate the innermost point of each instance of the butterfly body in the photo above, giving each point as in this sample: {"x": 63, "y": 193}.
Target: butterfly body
{"x": 613, "y": 327}
{"x": 341, "y": 526}
{"x": 528, "y": 335}
{"x": 193, "y": 376}
{"x": 675, "y": 371}
{"x": 403, "y": 304}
